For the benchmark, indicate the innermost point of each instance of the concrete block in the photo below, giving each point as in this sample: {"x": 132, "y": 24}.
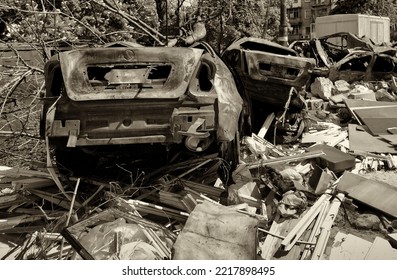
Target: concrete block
{"x": 315, "y": 104}
{"x": 362, "y": 93}
{"x": 341, "y": 86}
{"x": 322, "y": 87}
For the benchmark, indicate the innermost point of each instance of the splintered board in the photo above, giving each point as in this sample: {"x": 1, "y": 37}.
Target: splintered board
{"x": 376, "y": 194}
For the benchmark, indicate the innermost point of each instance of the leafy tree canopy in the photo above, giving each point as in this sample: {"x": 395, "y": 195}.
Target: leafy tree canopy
{"x": 145, "y": 21}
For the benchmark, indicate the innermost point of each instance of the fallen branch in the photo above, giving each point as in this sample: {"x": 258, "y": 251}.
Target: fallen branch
{"x": 14, "y": 84}
{"x": 69, "y": 215}
{"x": 12, "y": 133}
{"x": 53, "y": 13}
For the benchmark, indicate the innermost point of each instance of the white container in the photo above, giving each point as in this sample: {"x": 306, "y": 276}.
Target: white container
{"x": 374, "y": 27}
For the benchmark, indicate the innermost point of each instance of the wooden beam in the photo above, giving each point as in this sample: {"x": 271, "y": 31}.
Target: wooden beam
{"x": 32, "y": 183}
{"x": 304, "y": 222}
{"x": 268, "y": 145}
{"x": 54, "y": 199}
{"x": 9, "y": 223}
{"x": 19, "y": 172}
{"x": 326, "y": 227}
{"x": 286, "y": 159}
{"x": 315, "y": 231}
{"x": 262, "y": 132}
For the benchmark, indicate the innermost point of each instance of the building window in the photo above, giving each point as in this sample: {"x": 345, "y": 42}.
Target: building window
{"x": 295, "y": 29}
{"x": 322, "y": 12}
{"x": 294, "y": 13}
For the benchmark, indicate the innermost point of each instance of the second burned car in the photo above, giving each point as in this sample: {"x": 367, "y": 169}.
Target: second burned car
{"x": 268, "y": 70}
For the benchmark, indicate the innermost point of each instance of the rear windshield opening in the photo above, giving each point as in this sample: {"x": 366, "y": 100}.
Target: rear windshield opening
{"x": 128, "y": 76}
{"x": 278, "y": 71}
{"x": 254, "y": 46}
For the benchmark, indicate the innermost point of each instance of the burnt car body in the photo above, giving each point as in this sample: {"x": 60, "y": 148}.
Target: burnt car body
{"x": 267, "y": 70}
{"x": 97, "y": 97}
{"x": 345, "y": 56}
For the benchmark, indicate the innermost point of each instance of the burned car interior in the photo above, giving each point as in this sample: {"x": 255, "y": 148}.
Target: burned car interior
{"x": 346, "y": 56}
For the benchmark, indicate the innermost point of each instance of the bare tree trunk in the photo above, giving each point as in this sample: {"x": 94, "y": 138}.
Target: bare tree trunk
{"x": 266, "y": 23}
{"x": 283, "y": 31}
{"x": 161, "y": 7}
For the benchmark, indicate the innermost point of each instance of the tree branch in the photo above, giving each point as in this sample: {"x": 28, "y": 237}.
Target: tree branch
{"x": 54, "y": 13}
{"x": 135, "y": 21}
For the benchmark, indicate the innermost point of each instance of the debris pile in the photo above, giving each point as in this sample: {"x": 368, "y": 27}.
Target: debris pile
{"x": 281, "y": 202}
{"x": 309, "y": 183}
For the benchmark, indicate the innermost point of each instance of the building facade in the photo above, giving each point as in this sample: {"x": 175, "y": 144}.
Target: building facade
{"x": 302, "y": 16}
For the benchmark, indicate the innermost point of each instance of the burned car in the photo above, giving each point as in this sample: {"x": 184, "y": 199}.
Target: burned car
{"x": 345, "y": 56}
{"x": 267, "y": 70}
{"x": 139, "y": 97}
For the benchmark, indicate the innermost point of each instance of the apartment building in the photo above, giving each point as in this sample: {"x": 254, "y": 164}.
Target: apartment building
{"x": 302, "y": 15}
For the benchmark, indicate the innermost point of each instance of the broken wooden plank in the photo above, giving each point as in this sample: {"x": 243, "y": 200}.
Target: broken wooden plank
{"x": 325, "y": 229}
{"x": 272, "y": 148}
{"x": 16, "y": 172}
{"x": 270, "y": 248}
{"x": 286, "y": 159}
{"x": 54, "y": 198}
{"x": 171, "y": 199}
{"x": 331, "y": 138}
{"x": 304, "y": 222}
{"x": 32, "y": 183}
{"x": 269, "y": 119}
{"x": 161, "y": 211}
{"x": 9, "y": 200}
{"x": 9, "y": 223}
{"x": 24, "y": 229}
{"x": 307, "y": 251}
{"x": 211, "y": 191}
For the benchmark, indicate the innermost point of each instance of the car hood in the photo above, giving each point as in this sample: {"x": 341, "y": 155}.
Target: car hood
{"x": 127, "y": 73}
